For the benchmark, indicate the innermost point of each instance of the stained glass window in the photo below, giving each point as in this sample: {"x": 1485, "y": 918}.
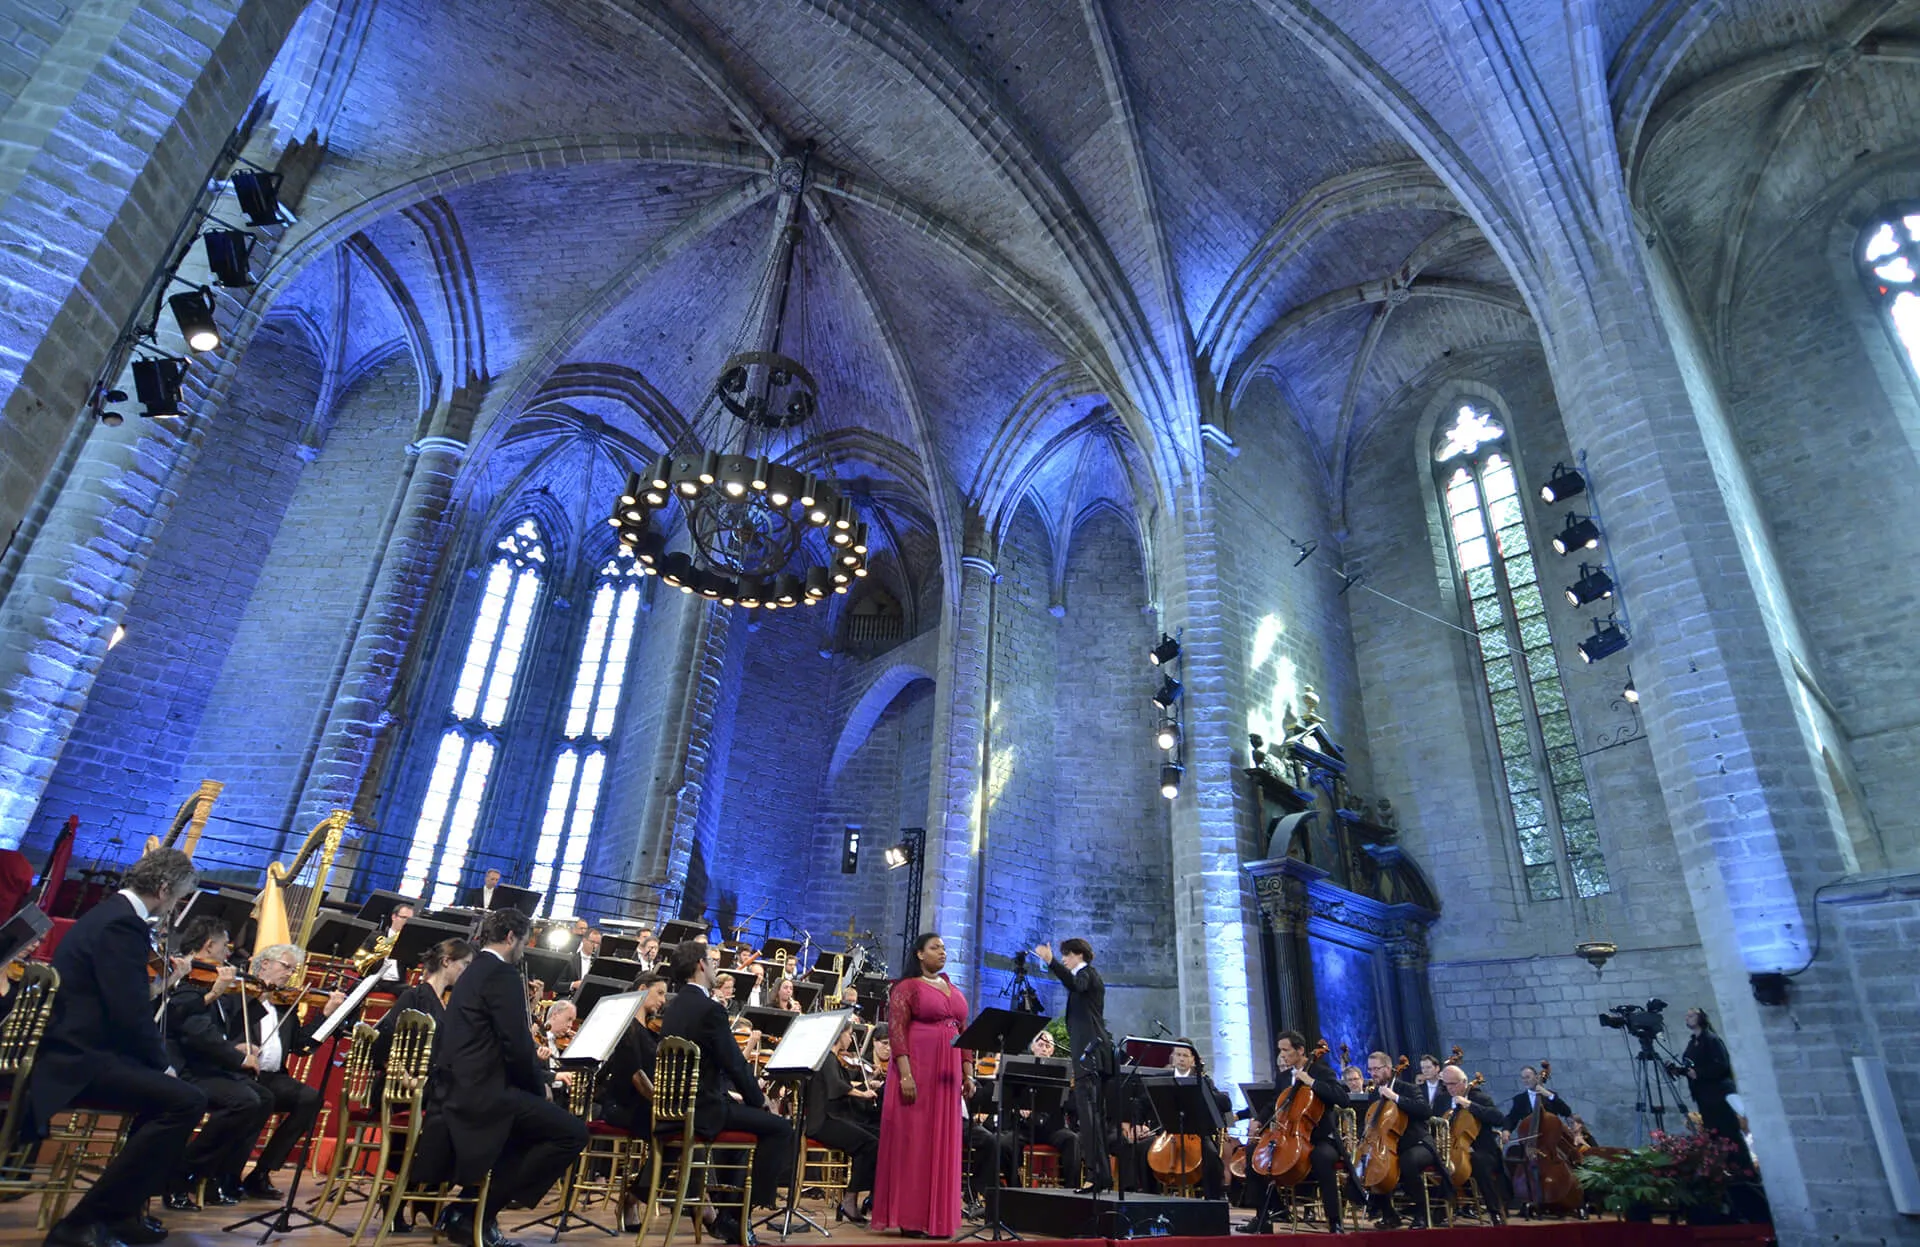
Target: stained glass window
{"x": 464, "y": 759}
{"x": 1546, "y": 786}
{"x": 573, "y": 797}
{"x": 1889, "y": 256}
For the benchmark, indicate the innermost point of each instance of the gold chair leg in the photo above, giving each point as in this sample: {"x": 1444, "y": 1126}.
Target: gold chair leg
{"x": 653, "y": 1196}
{"x": 687, "y": 1163}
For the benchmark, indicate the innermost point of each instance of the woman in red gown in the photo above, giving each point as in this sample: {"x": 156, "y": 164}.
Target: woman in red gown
{"x": 916, "y": 1188}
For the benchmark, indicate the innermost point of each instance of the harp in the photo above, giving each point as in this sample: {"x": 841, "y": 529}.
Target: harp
{"x": 290, "y": 897}
{"x": 189, "y": 820}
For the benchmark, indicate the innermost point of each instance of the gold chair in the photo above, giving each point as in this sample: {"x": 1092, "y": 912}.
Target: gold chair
{"x": 827, "y": 1170}
{"x": 403, "y": 1096}
{"x": 600, "y": 1172}
{"x": 676, "y": 1085}
{"x": 354, "y": 1121}
{"x": 20, "y": 1035}
{"x": 1040, "y": 1165}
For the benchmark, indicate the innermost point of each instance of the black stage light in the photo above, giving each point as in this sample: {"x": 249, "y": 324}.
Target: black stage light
{"x": 1167, "y": 736}
{"x": 1170, "y": 776}
{"x": 229, "y": 252}
{"x": 1593, "y": 585}
{"x": 850, "y": 852}
{"x": 899, "y": 855}
{"x": 1631, "y": 693}
{"x": 193, "y": 312}
{"x": 259, "y": 195}
{"x": 1580, "y": 533}
{"x": 1169, "y": 692}
{"x": 157, "y": 382}
{"x": 1607, "y": 639}
{"x": 1565, "y": 483}
{"x": 1165, "y": 652}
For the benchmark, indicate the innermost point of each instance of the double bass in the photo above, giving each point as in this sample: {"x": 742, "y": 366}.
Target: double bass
{"x": 1284, "y": 1150}
{"x": 1378, "y": 1164}
{"x": 1462, "y": 1129}
{"x": 1541, "y": 1158}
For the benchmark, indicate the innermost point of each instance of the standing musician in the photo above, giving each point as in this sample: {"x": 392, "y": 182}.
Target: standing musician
{"x": 492, "y": 1088}
{"x": 103, "y": 1050}
{"x": 694, "y": 1015}
{"x": 833, "y": 1120}
{"x": 1090, "y": 1048}
{"x": 1301, "y": 1073}
{"x": 1187, "y": 1069}
{"x": 223, "y": 1069}
{"x": 1531, "y": 1093}
{"x": 1415, "y": 1149}
{"x": 1489, "y": 1176}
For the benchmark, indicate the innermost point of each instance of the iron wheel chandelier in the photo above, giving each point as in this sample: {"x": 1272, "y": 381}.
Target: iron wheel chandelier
{"x": 763, "y": 530}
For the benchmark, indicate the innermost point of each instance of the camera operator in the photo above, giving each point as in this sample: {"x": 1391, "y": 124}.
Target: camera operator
{"x": 1709, "y": 1071}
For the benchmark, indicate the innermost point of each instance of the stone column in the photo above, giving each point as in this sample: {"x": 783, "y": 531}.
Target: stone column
{"x": 684, "y": 757}
{"x": 955, "y": 809}
{"x": 1408, "y": 953}
{"x": 1281, "y": 884}
{"x": 360, "y": 714}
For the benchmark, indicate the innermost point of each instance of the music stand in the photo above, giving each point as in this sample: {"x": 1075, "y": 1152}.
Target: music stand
{"x": 624, "y": 947}
{"x": 379, "y": 906}
{"x": 1037, "y": 1084}
{"x": 549, "y": 967}
{"x": 744, "y": 981}
{"x": 1001, "y": 1031}
{"x": 338, "y": 935}
{"x": 875, "y": 990}
{"x": 594, "y": 989}
{"x": 28, "y": 924}
{"x": 592, "y": 1044}
{"x": 771, "y": 1023}
{"x": 611, "y": 967}
{"x": 526, "y": 900}
{"x": 807, "y": 995}
{"x": 421, "y": 934}
{"x": 1181, "y": 1103}
{"x": 1149, "y": 1053}
{"x": 231, "y": 906}
{"x": 806, "y": 1043}
{"x": 680, "y": 930}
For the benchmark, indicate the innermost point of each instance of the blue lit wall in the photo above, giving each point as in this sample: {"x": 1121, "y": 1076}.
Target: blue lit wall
{"x": 1347, "y": 985}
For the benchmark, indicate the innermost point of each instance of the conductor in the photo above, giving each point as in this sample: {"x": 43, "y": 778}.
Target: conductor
{"x": 1089, "y": 1046}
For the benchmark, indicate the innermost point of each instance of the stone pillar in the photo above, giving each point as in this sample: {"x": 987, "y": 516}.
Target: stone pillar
{"x": 1281, "y": 884}
{"x": 1214, "y": 907}
{"x": 1414, "y": 995}
{"x": 955, "y": 808}
{"x": 360, "y": 714}
{"x": 684, "y": 761}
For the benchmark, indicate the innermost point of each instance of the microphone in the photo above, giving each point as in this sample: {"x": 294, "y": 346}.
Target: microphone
{"x": 1161, "y": 1027}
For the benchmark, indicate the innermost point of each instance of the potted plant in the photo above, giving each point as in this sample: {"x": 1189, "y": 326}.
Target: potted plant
{"x": 1632, "y": 1183}
{"x": 1704, "y": 1168}
{"x": 1689, "y": 1173}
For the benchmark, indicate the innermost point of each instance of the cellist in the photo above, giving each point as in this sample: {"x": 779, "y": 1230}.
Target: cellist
{"x": 1301, "y": 1074}
{"x": 1415, "y": 1150}
{"x": 1488, "y": 1176}
{"x": 1185, "y": 1063}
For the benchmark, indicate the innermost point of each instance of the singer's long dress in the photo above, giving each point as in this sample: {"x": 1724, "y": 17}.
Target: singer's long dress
{"x": 917, "y": 1183}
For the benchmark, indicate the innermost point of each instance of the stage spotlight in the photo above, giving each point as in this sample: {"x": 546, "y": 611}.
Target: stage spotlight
{"x": 1631, "y": 693}
{"x": 157, "y": 382}
{"x": 1168, "y": 693}
{"x": 850, "y": 852}
{"x": 1165, "y": 652}
{"x": 558, "y": 936}
{"x": 1593, "y": 585}
{"x": 228, "y": 254}
{"x": 193, "y": 312}
{"x": 899, "y": 855}
{"x": 1167, "y": 737}
{"x": 1580, "y": 533}
{"x": 1563, "y": 484}
{"x": 259, "y": 195}
{"x": 1170, "y": 776}
{"x": 1607, "y": 639}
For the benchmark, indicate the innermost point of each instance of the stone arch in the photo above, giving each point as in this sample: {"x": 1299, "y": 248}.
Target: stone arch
{"x": 892, "y": 680}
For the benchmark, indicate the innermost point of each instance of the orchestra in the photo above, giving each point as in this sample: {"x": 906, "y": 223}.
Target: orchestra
{"x": 204, "y": 1048}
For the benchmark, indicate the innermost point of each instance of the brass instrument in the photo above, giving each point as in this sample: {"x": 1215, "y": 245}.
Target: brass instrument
{"x": 1347, "y": 1122}
{"x": 290, "y": 899}
{"x": 382, "y": 949}
{"x": 189, "y": 820}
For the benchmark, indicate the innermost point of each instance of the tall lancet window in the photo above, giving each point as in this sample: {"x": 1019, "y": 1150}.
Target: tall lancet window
{"x": 470, "y": 743}
{"x": 1890, "y": 266}
{"x": 1545, "y": 782}
{"x": 580, "y": 767}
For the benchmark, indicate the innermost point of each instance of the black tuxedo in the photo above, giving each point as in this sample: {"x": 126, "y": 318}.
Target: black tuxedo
{"x": 1489, "y": 1174}
{"x": 1324, "y": 1161}
{"x": 833, "y": 1120}
{"x": 578, "y": 962}
{"x": 1522, "y": 1108}
{"x": 1416, "y": 1150}
{"x": 491, "y": 1090}
{"x": 1091, "y": 1051}
{"x": 476, "y": 897}
{"x": 237, "y": 1106}
{"x": 697, "y": 1017}
{"x": 103, "y": 1050}
{"x": 1436, "y": 1097}
{"x": 243, "y": 1020}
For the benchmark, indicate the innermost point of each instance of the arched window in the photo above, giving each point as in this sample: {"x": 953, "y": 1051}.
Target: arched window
{"x": 469, "y": 744}
{"x": 1487, "y": 531}
{"x": 1890, "y": 267}
{"x": 574, "y": 796}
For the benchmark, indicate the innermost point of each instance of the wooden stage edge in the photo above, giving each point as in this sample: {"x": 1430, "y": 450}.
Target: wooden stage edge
{"x": 202, "y": 1229}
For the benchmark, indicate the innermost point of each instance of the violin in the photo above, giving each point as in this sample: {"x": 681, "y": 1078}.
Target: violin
{"x": 654, "y": 1023}
{"x": 1541, "y": 1160}
{"x": 1379, "y": 1159}
{"x": 1284, "y": 1151}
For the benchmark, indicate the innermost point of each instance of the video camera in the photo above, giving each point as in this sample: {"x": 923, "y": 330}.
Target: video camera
{"x": 1642, "y": 1023}
{"x": 1025, "y": 999}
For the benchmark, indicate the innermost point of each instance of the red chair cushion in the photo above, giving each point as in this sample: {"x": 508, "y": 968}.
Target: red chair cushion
{"x": 607, "y": 1129}
{"x": 733, "y": 1136}
{"x": 1042, "y": 1149}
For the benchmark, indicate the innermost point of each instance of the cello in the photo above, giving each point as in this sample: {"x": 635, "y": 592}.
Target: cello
{"x": 1378, "y": 1164}
{"x": 1462, "y": 1129}
{"x": 1542, "y": 1172}
{"x": 1284, "y": 1150}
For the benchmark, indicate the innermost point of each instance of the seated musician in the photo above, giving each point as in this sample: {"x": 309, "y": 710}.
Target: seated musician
{"x": 277, "y": 1031}
{"x": 102, "y": 1050}
{"x": 626, "y": 1080}
{"x": 482, "y": 896}
{"x": 490, "y": 1090}
{"x": 833, "y": 1120}
{"x": 649, "y": 952}
{"x": 1489, "y": 1178}
{"x": 397, "y": 920}
{"x": 586, "y": 946}
{"x": 729, "y": 1097}
{"x": 850, "y": 999}
{"x": 1415, "y": 1148}
{"x": 563, "y": 1020}
{"x": 1054, "y": 1127}
{"x": 1130, "y": 1135}
{"x": 783, "y": 997}
{"x": 1301, "y": 1074}
{"x": 1532, "y": 1092}
{"x": 1187, "y": 1068}
{"x": 223, "y": 1069}
{"x": 1355, "y": 1080}
{"x": 880, "y": 1054}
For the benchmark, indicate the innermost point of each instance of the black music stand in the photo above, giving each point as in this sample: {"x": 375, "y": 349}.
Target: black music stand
{"x": 594, "y": 988}
{"x": 1000, "y": 1031}
{"x": 230, "y": 905}
{"x": 680, "y": 930}
{"x": 1179, "y": 1104}
{"x": 338, "y": 935}
{"x": 1037, "y": 1084}
{"x": 421, "y": 934}
{"x": 526, "y": 900}
{"x": 607, "y": 966}
{"x": 813, "y": 1037}
{"x": 807, "y": 995}
{"x": 875, "y": 989}
{"x": 380, "y": 904}
{"x": 549, "y": 967}
{"x": 625, "y": 947}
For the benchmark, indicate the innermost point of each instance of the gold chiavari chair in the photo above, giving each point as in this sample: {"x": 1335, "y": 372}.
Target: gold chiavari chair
{"x": 31, "y": 1002}
{"x": 355, "y": 1119}
{"x": 676, "y": 1085}
{"x": 403, "y": 1096}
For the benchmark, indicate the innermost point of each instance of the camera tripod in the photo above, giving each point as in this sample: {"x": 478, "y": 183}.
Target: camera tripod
{"x": 1655, "y": 1091}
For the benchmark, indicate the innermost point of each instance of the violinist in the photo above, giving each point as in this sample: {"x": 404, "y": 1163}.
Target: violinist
{"x": 274, "y": 1027}
{"x": 1489, "y": 1177}
{"x": 1187, "y": 1068}
{"x": 833, "y": 1120}
{"x": 1302, "y": 1074}
{"x": 563, "y": 1019}
{"x": 1415, "y": 1149}
{"x": 1532, "y": 1092}
{"x": 102, "y": 1050}
{"x": 626, "y": 1080}
{"x": 237, "y": 1106}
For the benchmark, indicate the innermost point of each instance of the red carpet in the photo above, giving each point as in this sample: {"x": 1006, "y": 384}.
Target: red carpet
{"x": 1543, "y": 1234}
